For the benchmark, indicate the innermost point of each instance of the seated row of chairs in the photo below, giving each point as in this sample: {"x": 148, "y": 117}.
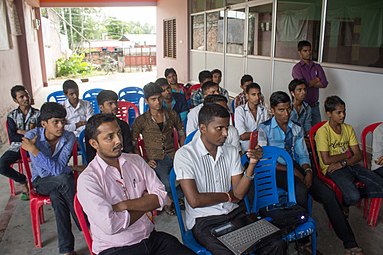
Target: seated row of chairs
{"x": 134, "y": 95}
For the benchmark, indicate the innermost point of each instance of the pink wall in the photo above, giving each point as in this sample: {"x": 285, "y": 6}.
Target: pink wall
{"x": 178, "y": 9}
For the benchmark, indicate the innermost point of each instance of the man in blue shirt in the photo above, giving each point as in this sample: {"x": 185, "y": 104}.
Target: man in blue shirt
{"x": 281, "y": 132}
{"x": 50, "y": 148}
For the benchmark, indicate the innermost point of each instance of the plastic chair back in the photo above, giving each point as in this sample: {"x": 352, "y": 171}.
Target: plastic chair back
{"x": 187, "y": 235}
{"x": 369, "y": 129}
{"x": 57, "y": 96}
{"x": 190, "y": 136}
{"x": 127, "y": 112}
{"x": 81, "y": 142}
{"x": 130, "y": 90}
{"x": 91, "y": 96}
{"x": 83, "y": 223}
{"x": 321, "y": 176}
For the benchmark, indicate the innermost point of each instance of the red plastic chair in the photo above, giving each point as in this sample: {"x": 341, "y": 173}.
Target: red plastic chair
{"x": 83, "y": 224}
{"x": 36, "y": 201}
{"x": 123, "y": 112}
{"x": 19, "y": 164}
{"x": 375, "y": 203}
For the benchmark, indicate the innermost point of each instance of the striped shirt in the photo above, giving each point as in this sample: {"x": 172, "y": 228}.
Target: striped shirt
{"x": 193, "y": 161}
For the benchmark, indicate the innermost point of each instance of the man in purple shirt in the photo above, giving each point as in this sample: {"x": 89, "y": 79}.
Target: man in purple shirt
{"x": 118, "y": 191}
{"x": 314, "y": 76}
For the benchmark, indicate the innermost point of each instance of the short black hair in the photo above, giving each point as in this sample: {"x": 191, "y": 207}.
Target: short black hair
{"x": 152, "y": 89}
{"x": 169, "y": 71}
{"x": 161, "y": 82}
{"x": 302, "y": 44}
{"x": 207, "y": 85}
{"x": 212, "y": 99}
{"x": 216, "y": 71}
{"x": 279, "y": 97}
{"x": 51, "y": 110}
{"x": 106, "y": 95}
{"x": 210, "y": 111}
{"x": 95, "y": 121}
{"x": 332, "y": 102}
{"x": 246, "y": 78}
{"x": 295, "y": 83}
{"x": 16, "y": 89}
{"x": 253, "y": 85}
{"x": 203, "y": 75}
{"x": 69, "y": 84}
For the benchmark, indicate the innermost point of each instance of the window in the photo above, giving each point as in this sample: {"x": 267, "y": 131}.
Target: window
{"x": 214, "y": 4}
{"x": 197, "y": 6}
{"x": 235, "y": 31}
{"x": 259, "y": 41}
{"x": 297, "y": 20}
{"x": 354, "y": 33}
{"x": 214, "y": 31}
{"x": 198, "y": 32}
{"x": 170, "y": 38}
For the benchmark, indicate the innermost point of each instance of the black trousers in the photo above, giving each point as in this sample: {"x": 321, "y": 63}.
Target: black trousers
{"x": 324, "y": 195}
{"x": 8, "y": 158}
{"x": 203, "y": 226}
{"x": 158, "y": 243}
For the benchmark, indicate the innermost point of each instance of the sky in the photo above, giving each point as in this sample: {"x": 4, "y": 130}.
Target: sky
{"x": 142, "y": 14}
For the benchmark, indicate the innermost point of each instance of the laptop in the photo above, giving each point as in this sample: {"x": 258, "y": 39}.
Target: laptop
{"x": 243, "y": 236}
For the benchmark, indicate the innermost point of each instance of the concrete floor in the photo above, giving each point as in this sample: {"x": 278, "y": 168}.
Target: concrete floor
{"x": 15, "y": 225}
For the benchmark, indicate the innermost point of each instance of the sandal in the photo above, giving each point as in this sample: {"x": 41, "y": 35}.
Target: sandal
{"x": 170, "y": 210}
{"x": 354, "y": 251}
{"x": 24, "y": 196}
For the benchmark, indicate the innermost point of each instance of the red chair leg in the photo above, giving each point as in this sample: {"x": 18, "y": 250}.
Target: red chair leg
{"x": 41, "y": 215}
{"x": 36, "y": 223}
{"x": 374, "y": 211}
{"x": 12, "y": 187}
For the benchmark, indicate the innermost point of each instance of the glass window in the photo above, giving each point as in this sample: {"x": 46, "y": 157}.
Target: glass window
{"x": 235, "y": 31}
{"x": 198, "y": 32}
{"x": 230, "y": 2}
{"x": 354, "y": 33}
{"x": 214, "y": 31}
{"x": 197, "y": 6}
{"x": 297, "y": 20}
{"x": 214, "y": 4}
{"x": 259, "y": 41}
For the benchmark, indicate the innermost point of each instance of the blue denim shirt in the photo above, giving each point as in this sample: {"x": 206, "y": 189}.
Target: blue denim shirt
{"x": 47, "y": 164}
{"x": 303, "y": 118}
{"x": 270, "y": 134}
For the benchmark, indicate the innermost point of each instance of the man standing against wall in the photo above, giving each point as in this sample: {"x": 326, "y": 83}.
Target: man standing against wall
{"x": 314, "y": 76}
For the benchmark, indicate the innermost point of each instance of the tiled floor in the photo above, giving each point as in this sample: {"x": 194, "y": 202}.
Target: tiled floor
{"x": 15, "y": 225}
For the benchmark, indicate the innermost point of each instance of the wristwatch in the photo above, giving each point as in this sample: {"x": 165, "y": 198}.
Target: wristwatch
{"x": 343, "y": 163}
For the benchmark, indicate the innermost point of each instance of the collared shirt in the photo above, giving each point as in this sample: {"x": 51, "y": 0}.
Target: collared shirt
{"x": 192, "y": 119}
{"x": 82, "y": 112}
{"x": 179, "y": 105}
{"x": 232, "y": 137}
{"x": 270, "y": 134}
{"x": 303, "y": 118}
{"x": 240, "y": 99}
{"x": 48, "y": 164}
{"x": 100, "y": 186}
{"x": 193, "y": 161}
{"x": 157, "y": 143}
{"x": 245, "y": 122}
{"x": 377, "y": 146}
{"x": 197, "y": 96}
{"x": 126, "y": 141}
{"x": 309, "y": 72}
{"x": 16, "y": 120}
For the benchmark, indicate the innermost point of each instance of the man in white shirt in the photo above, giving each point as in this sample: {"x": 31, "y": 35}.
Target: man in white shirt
{"x": 78, "y": 110}
{"x": 207, "y": 168}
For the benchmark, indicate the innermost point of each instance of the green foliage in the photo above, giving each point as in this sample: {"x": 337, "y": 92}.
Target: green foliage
{"x": 116, "y": 28}
{"x": 73, "y": 66}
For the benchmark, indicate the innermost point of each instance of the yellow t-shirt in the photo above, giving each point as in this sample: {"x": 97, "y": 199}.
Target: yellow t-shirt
{"x": 327, "y": 140}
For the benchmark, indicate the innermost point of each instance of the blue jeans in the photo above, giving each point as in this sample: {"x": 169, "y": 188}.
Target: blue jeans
{"x": 315, "y": 114}
{"x": 162, "y": 170}
{"x": 61, "y": 190}
{"x": 345, "y": 177}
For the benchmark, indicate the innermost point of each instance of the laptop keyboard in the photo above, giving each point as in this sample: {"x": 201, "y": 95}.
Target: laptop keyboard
{"x": 238, "y": 241}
